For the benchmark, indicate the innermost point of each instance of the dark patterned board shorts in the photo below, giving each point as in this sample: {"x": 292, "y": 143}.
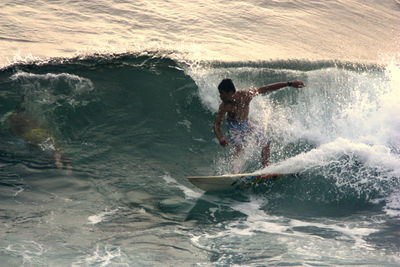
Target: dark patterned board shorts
{"x": 243, "y": 131}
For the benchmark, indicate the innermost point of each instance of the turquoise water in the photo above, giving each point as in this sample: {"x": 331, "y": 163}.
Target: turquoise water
{"x": 134, "y": 122}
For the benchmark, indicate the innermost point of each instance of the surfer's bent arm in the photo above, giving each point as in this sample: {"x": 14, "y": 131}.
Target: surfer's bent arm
{"x": 275, "y": 86}
{"x": 217, "y": 126}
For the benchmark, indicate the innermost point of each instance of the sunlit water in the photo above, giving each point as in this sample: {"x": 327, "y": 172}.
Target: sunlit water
{"x": 134, "y": 122}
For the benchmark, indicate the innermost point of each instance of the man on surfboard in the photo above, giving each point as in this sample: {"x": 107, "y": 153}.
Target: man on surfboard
{"x": 236, "y": 105}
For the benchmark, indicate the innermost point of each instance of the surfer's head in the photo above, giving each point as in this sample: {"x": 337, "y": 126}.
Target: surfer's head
{"x": 226, "y": 89}
{"x": 226, "y": 86}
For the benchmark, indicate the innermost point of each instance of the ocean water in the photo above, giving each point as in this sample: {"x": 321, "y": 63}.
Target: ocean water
{"x": 128, "y": 89}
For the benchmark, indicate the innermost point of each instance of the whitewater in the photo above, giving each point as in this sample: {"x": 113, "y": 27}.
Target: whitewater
{"x": 128, "y": 91}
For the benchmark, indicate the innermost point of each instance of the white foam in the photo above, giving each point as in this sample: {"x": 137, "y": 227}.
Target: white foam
{"x": 40, "y": 88}
{"x": 189, "y": 193}
{"x": 103, "y": 256}
{"x": 259, "y": 221}
{"x": 286, "y": 235}
{"x": 77, "y": 82}
{"x": 352, "y": 232}
{"x": 30, "y": 251}
{"x": 102, "y": 216}
{"x": 372, "y": 155}
{"x": 392, "y": 207}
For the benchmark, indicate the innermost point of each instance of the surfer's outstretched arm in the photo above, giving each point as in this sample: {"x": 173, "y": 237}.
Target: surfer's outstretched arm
{"x": 276, "y": 86}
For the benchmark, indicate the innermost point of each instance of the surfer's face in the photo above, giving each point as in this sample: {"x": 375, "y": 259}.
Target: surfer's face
{"x": 226, "y": 96}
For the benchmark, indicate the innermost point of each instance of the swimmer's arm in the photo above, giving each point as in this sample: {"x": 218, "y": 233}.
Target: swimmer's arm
{"x": 273, "y": 87}
{"x": 217, "y": 126}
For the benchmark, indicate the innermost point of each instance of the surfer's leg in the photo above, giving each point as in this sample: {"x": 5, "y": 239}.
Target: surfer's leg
{"x": 265, "y": 155}
{"x": 236, "y": 161}
{"x": 237, "y": 151}
{"x": 237, "y": 135}
{"x": 263, "y": 141}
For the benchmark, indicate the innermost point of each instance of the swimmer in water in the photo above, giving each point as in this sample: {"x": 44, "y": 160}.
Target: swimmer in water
{"x": 23, "y": 125}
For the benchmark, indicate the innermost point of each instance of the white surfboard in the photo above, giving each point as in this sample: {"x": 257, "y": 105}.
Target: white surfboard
{"x": 229, "y": 181}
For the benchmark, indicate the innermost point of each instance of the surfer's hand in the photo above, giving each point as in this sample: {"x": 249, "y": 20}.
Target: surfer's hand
{"x": 223, "y": 142}
{"x": 297, "y": 84}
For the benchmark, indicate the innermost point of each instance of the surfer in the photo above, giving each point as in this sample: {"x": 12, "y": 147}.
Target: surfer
{"x": 236, "y": 105}
{"x": 25, "y": 126}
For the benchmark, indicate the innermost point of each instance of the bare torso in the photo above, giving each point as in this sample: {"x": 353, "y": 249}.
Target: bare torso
{"x": 238, "y": 109}
{"x": 23, "y": 126}
{"x": 20, "y": 123}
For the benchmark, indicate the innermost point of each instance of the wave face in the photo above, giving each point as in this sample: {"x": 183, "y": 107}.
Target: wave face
{"x": 134, "y": 125}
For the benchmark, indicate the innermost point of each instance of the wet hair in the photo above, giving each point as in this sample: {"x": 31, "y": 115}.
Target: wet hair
{"x": 226, "y": 85}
